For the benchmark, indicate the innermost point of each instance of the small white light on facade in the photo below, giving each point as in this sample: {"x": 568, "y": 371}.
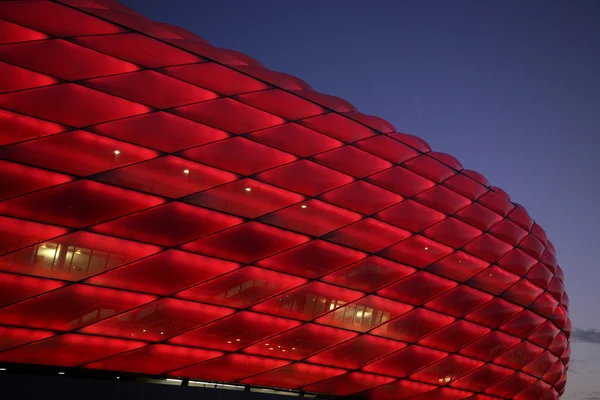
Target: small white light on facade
{"x": 61, "y": 373}
{"x": 303, "y": 206}
{"x": 248, "y": 189}
{"x": 426, "y": 248}
{"x": 186, "y": 171}
{"x": 116, "y": 152}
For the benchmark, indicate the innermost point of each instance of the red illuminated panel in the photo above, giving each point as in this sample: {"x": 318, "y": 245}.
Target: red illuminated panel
{"x": 138, "y": 49}
{"x": 417, "y": 251}
{"x": 69, "y": 350}
{"x": 364, "y": 314}
{"x": 305, "y": 177}
{"x": 65, "y": 21}
{"x": 465, "y": 185}
{"x": 151, "y": 88}
{"x": 281, "y": 103}
{"x": 169, "y": 224}
{"x": 411, "y": 215}
{"x": 156, "y": 359}
{"x": 55, "y": 57}
{"x": 455, "y": 336}
{"x": 158, "y": 320}
{"x": 369, "y": 235}
{"x": 446, "y": 370}
{"x": 401, "y": 389}
{"x": 452, "y": 232}
{"x": 356, "y": 352}
{"x": 168, "y": 176}
{"x": 295, "y": 139}
{"x": 16, "y": 128}
{"x": 242, "y": 287}
{"x": 148, "y": 130}
{"x": 430, "y": 168}
{"x": 300, "y": 342}
{"x": 417, "y": 288}
{"x": 482, "y": 378}
{"x": 369, "y": 274}
{"x": 490, "y": 346}
{"x": 312, "y": 259}
{"x": 308, "y": 301}
{"x": 405, "y": 361}
{"x": 251, "y": 157}
{"x": 16, "y": 234}
{"x": 12, "y": 33}
{"x": 442, "y": 199}
{"x": 12, "y": 337}
{"x": 336, "y": 126}
{"x": 401, "y": 181}
{"x": 14, "y": 287}
{"x": 164, "y": 273}
{"x": 72, "y": 307}
{"x": 294, "y": 376}
{"x": 69, "y": 104}
{"x": 245, "y": 197}
{"x": 75, "y": 256}
{"x": 15, "y": 78}
{"x": 77, "y": 152}
{"x": 478, "y": 216}
{"x": 519, "y": 356}
{"x": 361, "y": 197}
{"x": 234, "y": 332}
{"x": 494, "y": 312}
{"x": 215, "y": 113}
{"x": 459, "y": 301}
{"x": 216, "y": 77}
{"x": 352, "y": 161}
{"x": 511, "y": 385}
{"x": 19, "y": 179}
{"x": 387, "y": 148}
{"x": 350, "y": 383}
{"x": 78, "y": 204}
{"x": 312, "y": 217}
{"x": 413, "y": 325}
{"x": 246, "y": 243}
{"x": 458, "y": 266}
{"x": 231, "y": 367}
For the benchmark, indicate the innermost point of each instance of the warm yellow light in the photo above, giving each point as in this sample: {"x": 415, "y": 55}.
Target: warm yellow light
{"x": 303, "y": 206}
{"x": 44, "y": 246}
{"x": 238, "y": 340}
{"x": 117, "y": 152}
{"x": 78, "y": 252}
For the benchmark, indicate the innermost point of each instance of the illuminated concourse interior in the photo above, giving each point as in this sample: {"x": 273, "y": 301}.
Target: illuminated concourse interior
{"x": 177, "y": 210}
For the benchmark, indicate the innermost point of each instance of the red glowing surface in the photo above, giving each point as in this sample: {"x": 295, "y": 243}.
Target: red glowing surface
{"x": 171, "y": 208}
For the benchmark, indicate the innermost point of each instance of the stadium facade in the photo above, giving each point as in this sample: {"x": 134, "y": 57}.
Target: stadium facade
{"x": 169, "y": 208}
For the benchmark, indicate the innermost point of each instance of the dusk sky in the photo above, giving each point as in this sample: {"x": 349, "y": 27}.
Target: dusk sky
{"x": 510, "y": 88}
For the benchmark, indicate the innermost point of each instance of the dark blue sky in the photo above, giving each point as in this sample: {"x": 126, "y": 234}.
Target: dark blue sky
{"x": 511, "y": 88}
